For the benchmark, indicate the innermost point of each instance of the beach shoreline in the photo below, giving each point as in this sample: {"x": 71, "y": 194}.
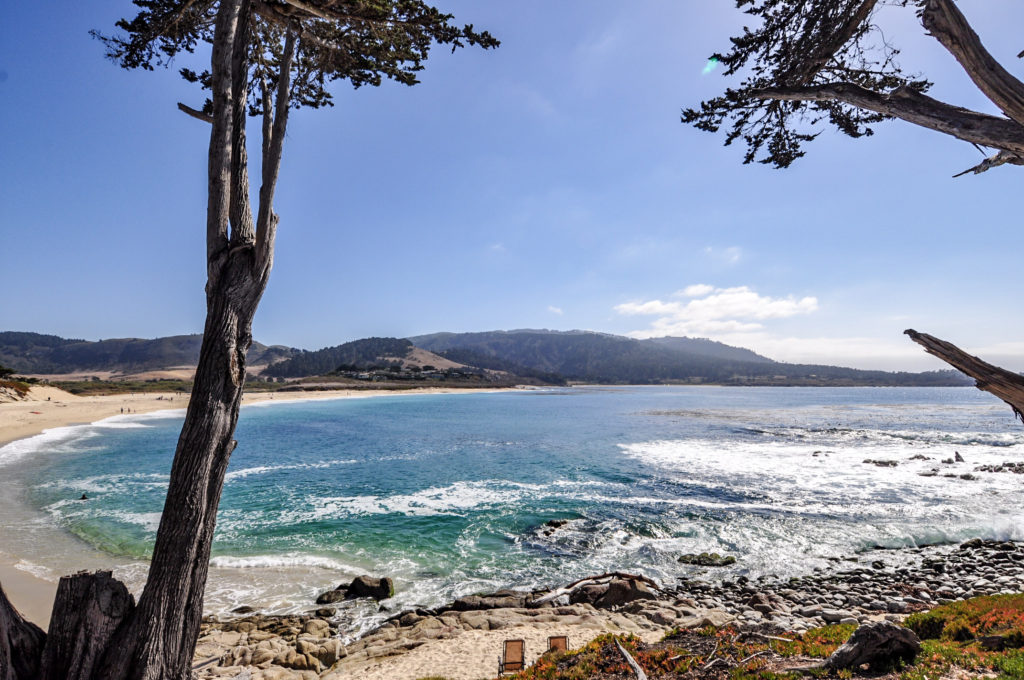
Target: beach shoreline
{"x": 47, "y": 408}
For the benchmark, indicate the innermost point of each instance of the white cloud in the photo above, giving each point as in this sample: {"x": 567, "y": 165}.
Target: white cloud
{"x": 556, "y": 310}
{"x": 715, "y": 311}
{"x": 741, "y": 317}
{"x": 696, "y": 290}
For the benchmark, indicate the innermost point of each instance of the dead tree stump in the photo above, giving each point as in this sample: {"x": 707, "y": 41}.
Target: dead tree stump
{"x": 21, "y": 643}
{"x": 87, "y": 610}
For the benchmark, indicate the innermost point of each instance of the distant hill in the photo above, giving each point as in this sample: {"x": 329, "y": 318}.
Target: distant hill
{"x": 37, "y": 353}
{"x": 365, "y": 354}
{"x": 708, "y": 348}
{"x": 602, "y": 358}
{"x": 551, "y": 357}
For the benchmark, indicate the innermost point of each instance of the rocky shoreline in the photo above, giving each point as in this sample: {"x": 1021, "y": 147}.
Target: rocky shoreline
{"x": 873, "y": 586}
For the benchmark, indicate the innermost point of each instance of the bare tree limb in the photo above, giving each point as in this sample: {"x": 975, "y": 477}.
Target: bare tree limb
{"x": 1004, "y": 384}
{"x": 309, "y": 9}
{"x": 266, "y": 220}
{"x": 631, "y": 662}
{"x": 906, "y": 104}
{"x": 994, "y": 161}
{"x": 943, "y": 20}
{"x": 195, "y": 113}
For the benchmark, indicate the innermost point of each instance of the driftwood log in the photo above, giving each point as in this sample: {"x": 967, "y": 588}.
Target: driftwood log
{"x": 1004, "y": 384}
{"x": 631, "y": 662}
{"x": 21, "y": 644}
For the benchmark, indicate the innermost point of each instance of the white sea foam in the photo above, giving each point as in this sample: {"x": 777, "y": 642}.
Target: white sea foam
{"x": 453, "y": 499}
{"x": 37, "y": 570}
{"x": 46, "y": 440}
{"x": 286, "y": 560}
{"x": 263, "y": 469}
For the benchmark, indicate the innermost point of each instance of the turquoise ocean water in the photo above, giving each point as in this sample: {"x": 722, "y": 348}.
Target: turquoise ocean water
{"x": 449, "y": 493}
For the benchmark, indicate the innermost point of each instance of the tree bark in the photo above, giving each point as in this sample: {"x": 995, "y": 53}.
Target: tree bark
{"x": 21, "y": 644}
{"x": 944, "y": 21}
{"x": 1004, "y": 384}
{"x": 87, "y": 610}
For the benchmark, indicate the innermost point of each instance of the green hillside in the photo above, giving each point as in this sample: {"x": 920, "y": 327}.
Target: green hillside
{"x": 37, "y": 353}
{"x": 601, "y": 358}
{"x": 359, "y": 354}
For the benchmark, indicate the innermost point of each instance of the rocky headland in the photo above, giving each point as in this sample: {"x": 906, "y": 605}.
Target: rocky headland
{"x": 461, "y": 640}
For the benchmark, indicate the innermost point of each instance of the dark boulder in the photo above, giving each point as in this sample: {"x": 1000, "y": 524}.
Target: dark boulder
{"x": 503, "y": 599}
{"x": 878, "y": 644}
{"x": 331, "y": 596}
{"x": 621, "y": 591}
{"x": 708, "y": 559}
{"x": 368, "y": 586}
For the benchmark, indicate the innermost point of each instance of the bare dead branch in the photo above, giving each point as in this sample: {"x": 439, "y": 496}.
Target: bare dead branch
{"x": 266, "y": 220}
{"x": 310, "y": 9}
{"x": 1004, "y": 384}
{"x": 195, "y": 113}
{"x": 994, "y": 161}
{"x": 944, "y": 21}
{"x": 631, "y": 662}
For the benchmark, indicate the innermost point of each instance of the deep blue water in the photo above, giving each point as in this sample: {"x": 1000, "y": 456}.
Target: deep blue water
{"x": 449, "y": 493}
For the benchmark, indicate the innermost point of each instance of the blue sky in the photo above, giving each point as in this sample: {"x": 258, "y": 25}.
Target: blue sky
{"x": 546, "y": 184}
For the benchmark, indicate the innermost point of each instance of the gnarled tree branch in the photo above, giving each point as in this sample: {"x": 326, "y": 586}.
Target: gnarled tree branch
{"x": 993, "y": 161}
{"x": 913, "y": 107}
{"x": 1004, "y": 384}
{"x": 266, "y": 221}
{"x": 195, "y": 113}
{"x": 943, "y": 20}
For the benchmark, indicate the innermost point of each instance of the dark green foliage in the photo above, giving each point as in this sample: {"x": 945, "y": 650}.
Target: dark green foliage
{"x": 597, "y": 357}
{"x": 352, "y": 356}
{"x": 361, "y": 42}
{"x": 797, "y": 44}
{"x": 709, "y": 348}
{"x": 6, "y": 372}
{"x": 35, "y": 353}
{"x": 493, "y": 363}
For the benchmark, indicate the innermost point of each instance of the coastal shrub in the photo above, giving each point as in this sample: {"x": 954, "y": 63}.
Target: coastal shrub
{"x": 19, "y": 387}
{"x": 1001, "y": 615}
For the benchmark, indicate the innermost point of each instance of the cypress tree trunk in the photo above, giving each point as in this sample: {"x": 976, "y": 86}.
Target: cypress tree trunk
{"x": 159, "y": 640}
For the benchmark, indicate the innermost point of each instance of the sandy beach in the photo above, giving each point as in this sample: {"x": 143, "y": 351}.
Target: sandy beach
{"x": 47, "y": 407}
